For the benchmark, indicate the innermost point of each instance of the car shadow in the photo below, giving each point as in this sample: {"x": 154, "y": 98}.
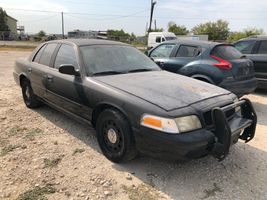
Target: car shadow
{"x": 243, "y": 172}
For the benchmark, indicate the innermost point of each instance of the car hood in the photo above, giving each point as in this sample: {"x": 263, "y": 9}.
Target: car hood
{"x": 166, "y": 90}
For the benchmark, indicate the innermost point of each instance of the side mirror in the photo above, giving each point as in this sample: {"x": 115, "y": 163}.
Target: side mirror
{"x": 68, "y": 69}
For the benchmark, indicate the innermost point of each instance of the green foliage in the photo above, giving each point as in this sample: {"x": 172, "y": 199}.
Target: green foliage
{"x": 37, "y": 193}
{"x": 3, "y": 24}
{"x": 177, "y": 29}
{"x": 77, "y": 151}
{"x": 237, "y": 35}
{"x": 8, "y": 149}
{"x": 120, "y": 35}
{"x": 218, "y": 30}
{"x": 157, "y": 30}
{"x": 49, "y": 163}
{"x": 41, "y": 34}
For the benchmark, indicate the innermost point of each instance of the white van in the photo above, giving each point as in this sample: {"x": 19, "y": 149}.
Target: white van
{"x": 155, "y": 38}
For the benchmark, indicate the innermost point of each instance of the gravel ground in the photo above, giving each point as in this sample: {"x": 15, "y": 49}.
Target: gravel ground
{"x": 44, "y": 154}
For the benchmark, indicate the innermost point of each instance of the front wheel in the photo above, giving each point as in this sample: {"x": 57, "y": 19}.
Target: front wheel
{"x": 115, "y": 136}
{"x": 30, "y": 99}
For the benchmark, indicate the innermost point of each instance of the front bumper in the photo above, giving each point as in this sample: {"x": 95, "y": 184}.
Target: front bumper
{"x": 240, "y": 87}
{"x": 200, "y": 142}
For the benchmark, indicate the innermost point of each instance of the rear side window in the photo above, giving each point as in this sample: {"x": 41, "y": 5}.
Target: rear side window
{"x": 187, "y": 51}
{"x": 66, "y": 55}
{"x": 245, "y": 46}
{"x": 163, "y": 50}
{"x": 263, "y": 47}
{"x": 158, "y": 39}
{"x": 38, "y": 54}
{"x": 47, "y": 54}
{"x": 226, "y": 52}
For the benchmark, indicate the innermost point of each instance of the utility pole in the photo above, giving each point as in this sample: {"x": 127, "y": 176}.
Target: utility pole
{"x": 62, "y": 23}
{"x": 155, "y": 24}
{"x": 153, "y": 3}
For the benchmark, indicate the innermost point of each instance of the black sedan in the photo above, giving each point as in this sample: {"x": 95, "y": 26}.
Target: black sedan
{"x": 216, "y": 63}
{"x": 133, "y": 104}
{"x": 255, "y": 48}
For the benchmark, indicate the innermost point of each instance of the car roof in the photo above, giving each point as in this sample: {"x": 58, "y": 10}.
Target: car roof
{"x": 86, "y": 42}
{"x": 256, "y": 37}
{"x": 194, "y": 42}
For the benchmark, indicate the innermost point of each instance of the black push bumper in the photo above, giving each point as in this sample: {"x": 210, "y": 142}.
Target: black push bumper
{"x": 227, "y": 132}
{"x": 201, "y": 142}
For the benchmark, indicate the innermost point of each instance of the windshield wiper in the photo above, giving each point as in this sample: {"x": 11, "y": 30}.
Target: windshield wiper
{"x": 140, "y": 70}
{"x": 111, "y": 72}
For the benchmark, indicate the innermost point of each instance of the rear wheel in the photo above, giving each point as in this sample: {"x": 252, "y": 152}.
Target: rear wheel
{"x": 30, "y": 99}
{"x": 115, "y": 136}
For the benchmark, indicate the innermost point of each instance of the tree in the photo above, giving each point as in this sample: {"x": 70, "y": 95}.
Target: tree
{"x": 237, "y": 35}
{"x": 4, "y": 30}
{"x": 218, "y": 30}
{"x": 157, "y": 30}
{"x": 41, "y": 34}
{"x": 253, "y": 31}
{"x": 177, "y": 29}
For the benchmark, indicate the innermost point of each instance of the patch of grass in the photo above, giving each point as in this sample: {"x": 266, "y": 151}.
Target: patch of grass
{"x": 142, "y": 191}
{"x": 37, "y": 193}
{"x": 77, "y": 151}
{"x": 52, "y": 162}
{"x": 8, "y": 149}
{"x": 212, "y": 192}
{"x": 16, "y": 130}
{"x": 32, "y": 133}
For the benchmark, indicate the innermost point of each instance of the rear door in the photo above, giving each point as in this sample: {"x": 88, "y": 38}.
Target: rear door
{"x": 39, "y": 67}
{"x": 184, "y": 55}
{"x": 256, "y": 51}
{"x": 260, "y": 60}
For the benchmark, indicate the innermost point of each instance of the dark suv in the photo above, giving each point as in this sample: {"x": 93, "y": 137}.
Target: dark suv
{"x": 215, "y": 63}
{"x": 255, "y": 48}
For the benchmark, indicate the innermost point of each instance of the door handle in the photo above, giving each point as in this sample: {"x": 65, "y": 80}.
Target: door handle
{"x": 161, "y": 64}
{"x": 30, "y": 70}
{"x": 49, "y": 78}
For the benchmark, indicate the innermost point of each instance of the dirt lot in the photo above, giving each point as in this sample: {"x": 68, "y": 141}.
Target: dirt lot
{"x": 44, "y": 154}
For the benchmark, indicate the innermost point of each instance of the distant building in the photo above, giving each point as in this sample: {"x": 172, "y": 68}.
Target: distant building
{"x": 87, "y": 34}
{"x": 12, "y": 24}
{"x": 11, "y": 32}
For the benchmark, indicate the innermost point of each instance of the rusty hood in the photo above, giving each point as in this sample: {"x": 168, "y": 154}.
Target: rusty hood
{"x": 167, "y": 90}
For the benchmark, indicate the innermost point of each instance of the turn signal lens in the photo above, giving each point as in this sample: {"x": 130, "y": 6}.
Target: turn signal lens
{"x": 159, "y": 123}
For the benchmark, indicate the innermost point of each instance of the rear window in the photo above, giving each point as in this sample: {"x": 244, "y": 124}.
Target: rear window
{"x": 226, "y": 52}
{"x": 47, "y": 54}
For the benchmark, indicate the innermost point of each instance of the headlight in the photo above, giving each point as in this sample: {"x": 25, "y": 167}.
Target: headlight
{"x": 188, "y": 123}
{"x": 177, "y": 125}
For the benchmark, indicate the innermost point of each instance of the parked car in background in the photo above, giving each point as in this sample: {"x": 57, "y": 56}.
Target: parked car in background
{"x": 216, "y": 63}
{"x": 255, "y": 48}
{"x": 155, "y": 38}
{"x": 133, "y": 104}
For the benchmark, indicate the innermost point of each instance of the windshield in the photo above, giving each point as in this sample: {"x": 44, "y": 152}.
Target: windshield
{"x": 105, "y": 59}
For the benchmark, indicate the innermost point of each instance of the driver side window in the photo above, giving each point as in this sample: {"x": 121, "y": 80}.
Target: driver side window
{"x": 66, "y": 55}
{"x": 163, "y": 50}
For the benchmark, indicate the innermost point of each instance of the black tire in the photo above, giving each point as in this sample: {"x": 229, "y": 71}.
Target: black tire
{"x": 30, "y": 99}
{"x": 121, "y": 147}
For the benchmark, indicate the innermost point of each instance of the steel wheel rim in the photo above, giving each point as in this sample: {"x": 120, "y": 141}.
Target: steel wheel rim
{"x": 113, "y": 138}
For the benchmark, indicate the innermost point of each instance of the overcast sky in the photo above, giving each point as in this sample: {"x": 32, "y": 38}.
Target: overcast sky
{"x": 132, "y": 16}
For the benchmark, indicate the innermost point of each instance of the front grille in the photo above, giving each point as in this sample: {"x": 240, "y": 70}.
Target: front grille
{"x": 208, "y": 116}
